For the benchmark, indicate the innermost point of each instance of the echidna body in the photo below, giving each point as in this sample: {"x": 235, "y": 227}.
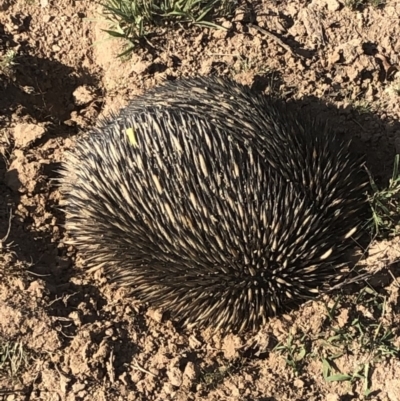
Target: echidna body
{"x": 214, "y": 203}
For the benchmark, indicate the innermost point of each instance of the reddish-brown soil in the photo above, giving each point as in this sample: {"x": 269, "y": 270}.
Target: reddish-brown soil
{"x": 82, "y": 339}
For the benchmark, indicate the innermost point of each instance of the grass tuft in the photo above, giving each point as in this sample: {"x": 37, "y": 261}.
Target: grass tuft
{"x": 133, "y": 20}
{"x": 363, "y": 334}
{"x": 360, "y": 4}
{"x": 294, "y": 350}
{"x": 12, "y": 357}
{"x": 394, "y": 87}
{"x": 385, "y": 205}
{"x": 212, "y": 376}
{"x": 7, "y": 62}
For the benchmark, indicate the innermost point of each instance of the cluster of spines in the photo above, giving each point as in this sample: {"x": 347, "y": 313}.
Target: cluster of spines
{"x": 201, "y": 221}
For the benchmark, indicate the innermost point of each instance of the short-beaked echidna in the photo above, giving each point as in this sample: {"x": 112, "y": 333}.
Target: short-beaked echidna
{"x": 214, "y": 203}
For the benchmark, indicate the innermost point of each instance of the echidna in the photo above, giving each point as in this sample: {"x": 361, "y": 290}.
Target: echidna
{"x": 215, "y": 203}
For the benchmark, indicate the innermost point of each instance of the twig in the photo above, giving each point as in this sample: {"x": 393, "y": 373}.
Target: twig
{"x": 275, "y": 38}
{"x": 110, "y": 367}
{"x": 3, "y": 244}
{"x": 138, "y": 367}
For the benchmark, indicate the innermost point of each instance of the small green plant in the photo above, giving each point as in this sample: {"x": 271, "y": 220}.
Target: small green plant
{"x": 7, "y": 62}
{"x": 394, "y": 87}
{"x": 132, "y": 20}
{"x": 385, "y": 205}
{"x": 360, "y": 373}
{"x": 354, "y": 4}
{"x": 294, "y": 351}
{"x": 12, "y": 357}
{"x": 376, "y": 3}
{"x": 362, "y": 106}
{"x": 362, "y": 336}
{"x": 211, "y": 378}
{"x": 359, "y": 4}
{"x": 369, "y": 339}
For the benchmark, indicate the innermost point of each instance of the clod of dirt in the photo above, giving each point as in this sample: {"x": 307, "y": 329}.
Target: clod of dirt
{"x": 26, "y": 134}
{"x": 22, "y": 176}
{"x": 155, "y": 314}
{"x": 141, "y": 67}
{"x": 231, "y": 346}
{"x": 175, "y": 376}
{"x": 83, "y": 95}
{"x": 350, "y": 50}
{"x": 190, "y": 372}
{"x": 311, "y": 19}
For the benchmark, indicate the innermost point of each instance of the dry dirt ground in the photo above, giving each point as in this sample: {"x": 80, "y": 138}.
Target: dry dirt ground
{"x": 66, "y": 335}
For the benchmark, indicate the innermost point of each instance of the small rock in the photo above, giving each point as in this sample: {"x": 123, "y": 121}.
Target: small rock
{"x": 26, "y": 134}
{"x": 298, "y": 383}
{"x": 37, "y": 288}
{"x": 44, "y": 3}
{"x": 332, "y": 5}
{"x": 109, "y": 332}
{"x": 76, "y": 387}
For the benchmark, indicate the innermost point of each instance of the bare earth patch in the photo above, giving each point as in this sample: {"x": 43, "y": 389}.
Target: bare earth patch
{"x": 66, "y": 335}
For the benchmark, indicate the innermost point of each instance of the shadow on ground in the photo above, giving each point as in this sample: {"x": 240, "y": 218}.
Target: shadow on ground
{"x": 39, "y": 89}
